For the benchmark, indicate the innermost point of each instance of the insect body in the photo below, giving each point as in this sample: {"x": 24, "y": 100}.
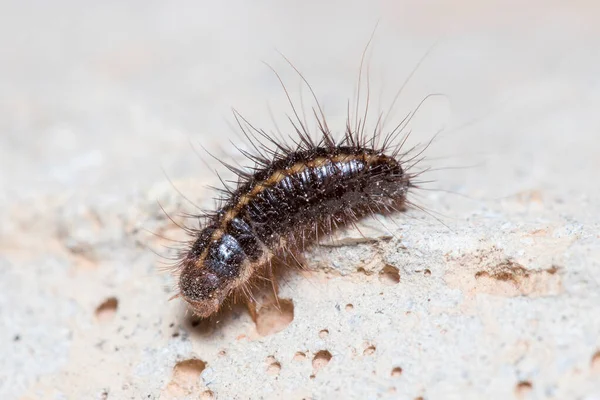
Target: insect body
{"x": 283, "y": 205}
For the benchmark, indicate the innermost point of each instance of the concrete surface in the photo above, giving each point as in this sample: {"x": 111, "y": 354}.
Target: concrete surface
{"x": 492, "y": 294}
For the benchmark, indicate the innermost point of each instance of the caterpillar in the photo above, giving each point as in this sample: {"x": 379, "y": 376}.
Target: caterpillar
{"x": 293, "y": 193}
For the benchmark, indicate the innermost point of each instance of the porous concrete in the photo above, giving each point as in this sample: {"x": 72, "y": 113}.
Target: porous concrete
{"x": 493, "y": 291}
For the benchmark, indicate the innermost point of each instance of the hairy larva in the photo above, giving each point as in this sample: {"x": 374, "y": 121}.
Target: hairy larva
{"x": 292, "y": 194}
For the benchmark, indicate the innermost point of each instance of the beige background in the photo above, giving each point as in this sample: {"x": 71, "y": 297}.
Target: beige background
{"x": 499, "y": 298}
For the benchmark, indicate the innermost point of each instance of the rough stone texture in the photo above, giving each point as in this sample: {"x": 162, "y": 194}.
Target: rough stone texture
{"x": 494, "y": 293}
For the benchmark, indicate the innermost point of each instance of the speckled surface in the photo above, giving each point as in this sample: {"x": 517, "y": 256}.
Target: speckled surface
{"x": 493, "y": 293}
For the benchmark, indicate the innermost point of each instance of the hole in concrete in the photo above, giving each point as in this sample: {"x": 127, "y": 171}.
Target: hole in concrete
{"x": 107, "y": 310}
{"x": 397, "y": 371}
{"x": 596, "y": 361}
{"x": 274, "y": 368}
{"x": 323, "y": 333}
{"x": 103, "y": 395}
{"x": 369, "y": 350}
{"x": 427, "y": 272}
{"x": 523, "y": 388}
{"x": 195, "y": 321}
{"x": 272, "y": 318}
{"x": 270, "y": 360}
{"x": 186, "y": 373}
{"x": 207, "y": 395}
{"x": 349, "y": 307}
{"x": 321, "y": 359}
{"x": 299, "y": 356}
{"x": 389, "y": 275}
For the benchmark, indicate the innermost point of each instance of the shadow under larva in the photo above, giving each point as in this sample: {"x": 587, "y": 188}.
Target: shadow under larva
{"x": 293, "y": 193}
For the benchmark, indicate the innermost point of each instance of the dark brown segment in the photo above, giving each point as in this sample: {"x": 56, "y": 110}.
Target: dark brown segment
{"x": 246, "y": 238}
{"x": 308, "y": 196}
{"x": 204, "y": 238}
